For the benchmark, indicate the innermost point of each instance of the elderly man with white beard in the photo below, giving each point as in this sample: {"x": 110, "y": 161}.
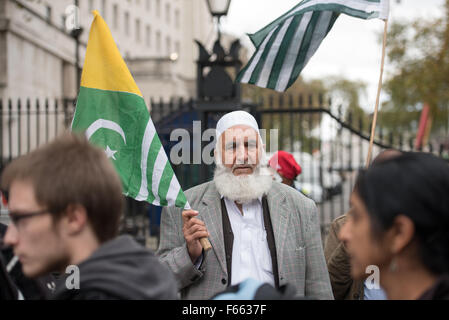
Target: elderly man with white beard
{"x": 258, "y": 228}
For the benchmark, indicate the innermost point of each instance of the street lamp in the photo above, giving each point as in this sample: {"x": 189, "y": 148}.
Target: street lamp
{"x": 213, "y": 80}
{"x": 75, "y": 31}
{"x": 218, "y": 8}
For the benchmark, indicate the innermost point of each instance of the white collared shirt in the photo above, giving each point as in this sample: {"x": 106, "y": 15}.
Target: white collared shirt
{"x": 250, "y": 253}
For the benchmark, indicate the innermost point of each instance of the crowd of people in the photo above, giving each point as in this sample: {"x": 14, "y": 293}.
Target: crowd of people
{"x": 65, "y": 203}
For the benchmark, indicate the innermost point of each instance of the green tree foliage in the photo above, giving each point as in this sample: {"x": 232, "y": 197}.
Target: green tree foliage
{"x": 418, "y": 54}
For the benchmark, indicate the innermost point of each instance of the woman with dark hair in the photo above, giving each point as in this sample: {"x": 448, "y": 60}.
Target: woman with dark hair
{"x": 399, "y": 223}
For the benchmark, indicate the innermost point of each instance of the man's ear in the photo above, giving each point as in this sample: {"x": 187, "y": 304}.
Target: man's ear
{"x": 76, "y": 218}
{"x": 402, "y": 233}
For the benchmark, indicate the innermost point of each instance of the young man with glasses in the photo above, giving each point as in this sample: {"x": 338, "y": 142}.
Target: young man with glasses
{"x": 65, "y": 203}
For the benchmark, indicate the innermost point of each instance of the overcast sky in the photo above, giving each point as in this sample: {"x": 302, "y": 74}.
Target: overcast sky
{"x": 351, "y": 49}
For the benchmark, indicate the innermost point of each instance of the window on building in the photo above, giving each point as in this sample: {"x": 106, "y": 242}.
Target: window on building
{"x": 168, "y": 45}
{"x": 137, "y": 30}
{"x": 91, "y": 5}
{"x": 115, "y": 13}
{"x": 177, "y": 47}
{"x": 177, "y": 23}
{"x": 148, "y": 5}
{"x": 158, "y": 42}
{"x": 148, "y": 36}
{"x": 48, "y": 13}
{"x": 127, "y": 23}
{"x": 158, "y": 8}
{"x": 167, "y": 13}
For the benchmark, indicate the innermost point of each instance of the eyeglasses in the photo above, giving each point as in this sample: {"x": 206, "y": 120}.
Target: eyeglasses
{"x": 16, "y": 217}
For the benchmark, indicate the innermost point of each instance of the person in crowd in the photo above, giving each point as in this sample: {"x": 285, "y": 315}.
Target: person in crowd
{"x": 8, "y": 290}
{"x": 258, "y": 228}
{"x": 344, "y": 286}
{"x": 65, "y": 202}
{"x": 399, "y": 224}
{"x": 286, "y": 167}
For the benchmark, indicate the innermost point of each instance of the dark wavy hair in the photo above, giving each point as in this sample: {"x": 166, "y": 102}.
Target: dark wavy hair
{"x": 415, "y": 185}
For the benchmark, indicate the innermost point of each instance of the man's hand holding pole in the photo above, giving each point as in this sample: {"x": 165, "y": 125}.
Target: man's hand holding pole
{"x": 195, "y": 234}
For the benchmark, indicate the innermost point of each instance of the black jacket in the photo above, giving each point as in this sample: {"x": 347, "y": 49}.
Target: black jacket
{"x": 439, "y": 291}
{"x": 8, "y": 290}
{"x": 120, "y": 269}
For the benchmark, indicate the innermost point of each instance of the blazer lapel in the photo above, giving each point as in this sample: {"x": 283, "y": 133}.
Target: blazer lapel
{"x": 210, "y": 213}
{"x": 279, "y": 209}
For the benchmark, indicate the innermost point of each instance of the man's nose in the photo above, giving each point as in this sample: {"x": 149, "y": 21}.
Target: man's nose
{"x": 344, "y": 233}
{"x": 11, "y": 237}
{"x": 241, "y": 154}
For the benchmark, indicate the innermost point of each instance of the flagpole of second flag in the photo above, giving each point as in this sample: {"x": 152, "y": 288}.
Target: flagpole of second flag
{"x": 379, "y": 87}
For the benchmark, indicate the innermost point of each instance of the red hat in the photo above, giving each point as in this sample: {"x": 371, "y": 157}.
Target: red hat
{"x": 284, "y": 163}
{"x": 4, "y": 199}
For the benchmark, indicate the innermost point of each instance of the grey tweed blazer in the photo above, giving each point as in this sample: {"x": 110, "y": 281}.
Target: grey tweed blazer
{"x": 297, "y": 237}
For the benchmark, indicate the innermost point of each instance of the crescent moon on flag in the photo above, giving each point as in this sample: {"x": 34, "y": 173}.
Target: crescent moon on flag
{"x": 107, "y": 124}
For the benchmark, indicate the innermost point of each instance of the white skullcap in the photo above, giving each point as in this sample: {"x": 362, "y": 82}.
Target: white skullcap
{"x": 236, "y": 118}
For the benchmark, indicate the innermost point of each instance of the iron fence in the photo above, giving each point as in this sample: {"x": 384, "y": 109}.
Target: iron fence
{"x": 329, "y": 143}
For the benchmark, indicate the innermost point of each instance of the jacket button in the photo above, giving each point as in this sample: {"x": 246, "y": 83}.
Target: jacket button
{"x": 223, "y": 281}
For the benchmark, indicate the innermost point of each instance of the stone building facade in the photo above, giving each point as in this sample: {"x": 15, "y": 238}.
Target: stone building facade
{"x": 156, "y": 38}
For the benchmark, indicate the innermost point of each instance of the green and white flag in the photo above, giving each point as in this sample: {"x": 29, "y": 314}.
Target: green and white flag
{"x": 284, "y": 46}
{"x": 112, "y": 113}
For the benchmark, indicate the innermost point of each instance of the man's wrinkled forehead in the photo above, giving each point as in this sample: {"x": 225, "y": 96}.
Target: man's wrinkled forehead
{"x": 239, "y": 133}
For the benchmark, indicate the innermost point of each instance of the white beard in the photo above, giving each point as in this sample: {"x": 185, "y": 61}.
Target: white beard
{"x": 244, "y": 188}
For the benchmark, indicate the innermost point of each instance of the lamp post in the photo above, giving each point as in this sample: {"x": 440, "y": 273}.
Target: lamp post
{"x": 217, "y": 93}
{"x": 218, "y": 8}
{"x": 217, "y": 84}
{"x": 76, "y": 32}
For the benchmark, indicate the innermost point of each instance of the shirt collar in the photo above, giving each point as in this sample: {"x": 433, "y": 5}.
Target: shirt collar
{"x": 222, "y": 196}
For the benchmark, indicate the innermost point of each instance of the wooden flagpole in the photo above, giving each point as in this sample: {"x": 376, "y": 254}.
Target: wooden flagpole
{"x": 379, "y": 86}
{"x": 205, "y": 243}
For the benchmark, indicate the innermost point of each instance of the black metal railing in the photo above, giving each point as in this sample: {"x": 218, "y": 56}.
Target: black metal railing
{"x": 329, "y": 144}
